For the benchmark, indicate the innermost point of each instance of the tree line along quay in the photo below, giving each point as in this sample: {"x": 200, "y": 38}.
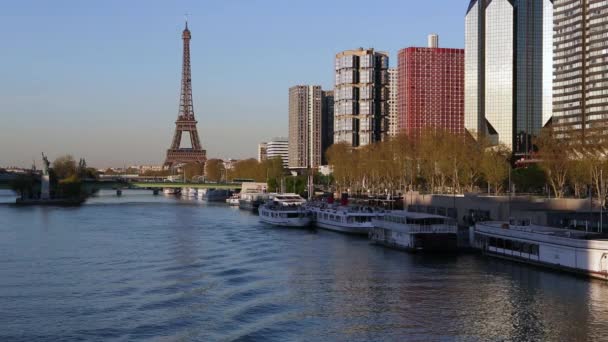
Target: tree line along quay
{"x": 439, "y": 162}
{"x": 436, "y": 162}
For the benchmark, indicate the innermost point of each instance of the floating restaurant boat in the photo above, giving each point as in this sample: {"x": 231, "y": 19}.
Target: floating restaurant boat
{"x": 285, "y": 210}
{"x": 415, "y": 232}
{"x": 569, "y": 250}
{"x": 345, "y": 219}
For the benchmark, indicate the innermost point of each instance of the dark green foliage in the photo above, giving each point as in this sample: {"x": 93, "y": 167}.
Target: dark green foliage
{"x": 529, "y": 180}
{"x": 23, "y": 185}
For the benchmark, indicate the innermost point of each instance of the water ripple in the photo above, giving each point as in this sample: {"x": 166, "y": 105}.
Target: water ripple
{"x": 145, "y": 267}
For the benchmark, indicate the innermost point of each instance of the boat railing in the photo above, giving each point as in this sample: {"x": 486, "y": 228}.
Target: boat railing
{"x": 431, "y": 229}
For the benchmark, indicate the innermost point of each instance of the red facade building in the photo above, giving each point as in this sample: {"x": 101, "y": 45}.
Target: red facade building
{"x": 430, "y": 90}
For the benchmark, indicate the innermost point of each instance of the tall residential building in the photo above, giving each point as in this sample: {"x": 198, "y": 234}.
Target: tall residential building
{"x": 327, "y": 123}
{"x": 431, "y": 89}
{"x": 262, "y": 154}
{"x": 361, "y": 97}
{"x": 508, "y": 65}
{"x": 305, "y": 102}
{"x": 580, "y": 86}
{"x": 393, "y": 117}
{"x": 433, "y": 40}
{"x": 278, "y": 147}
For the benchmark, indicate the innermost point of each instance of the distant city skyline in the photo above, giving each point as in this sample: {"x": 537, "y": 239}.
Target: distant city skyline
{"x": 101, "y": 80}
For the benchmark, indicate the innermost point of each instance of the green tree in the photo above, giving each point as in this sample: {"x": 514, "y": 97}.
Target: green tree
{"x": 579, "y": 176}
{"x": 70, "y": 187}
{"x": 23, "y": 185}
{"x": 64, "y": 167}
{"x": 192, "y": 170}
{"x": 495, "y": 167}
{"x": 214, "y": 170}
{"x": 530, "y": 179}
{"x": 554, "y": 154}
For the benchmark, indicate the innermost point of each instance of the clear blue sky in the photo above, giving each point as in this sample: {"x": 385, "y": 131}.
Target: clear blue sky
{"x": 100, "y": 79}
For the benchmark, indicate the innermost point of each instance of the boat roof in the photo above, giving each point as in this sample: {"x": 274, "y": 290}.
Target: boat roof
{"x": 549, "y": 231}
{"x": 414, "y": 215}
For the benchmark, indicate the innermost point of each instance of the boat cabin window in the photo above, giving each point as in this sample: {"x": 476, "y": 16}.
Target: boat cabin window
{"x": 519, "y": 222}
{"x": 359, "y": 219}
{"x": 513, "y": 245}
{"x": 426, "y": 221}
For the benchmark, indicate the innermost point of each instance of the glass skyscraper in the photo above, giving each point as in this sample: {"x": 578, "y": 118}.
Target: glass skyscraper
{"x": 508, "y": 70}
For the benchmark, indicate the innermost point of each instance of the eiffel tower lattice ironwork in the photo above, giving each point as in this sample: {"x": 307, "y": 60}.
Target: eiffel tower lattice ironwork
{"x": 185, "y": 120}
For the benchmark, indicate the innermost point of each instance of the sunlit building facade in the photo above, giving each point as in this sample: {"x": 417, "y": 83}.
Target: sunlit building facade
{"x": 278, "y": 147}
{"x": 580, "y": 102}
{"x": 508, "y": 70}
{"x": 393, "y": 116}
{"x": 430, "y": 89}
{"x": 361, "y": 97}
{"x": 305, "y": 122}
{"x": 262, "y": 155}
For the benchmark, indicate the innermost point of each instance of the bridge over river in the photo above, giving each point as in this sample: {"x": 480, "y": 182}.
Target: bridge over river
{"x": 145, "y": 185}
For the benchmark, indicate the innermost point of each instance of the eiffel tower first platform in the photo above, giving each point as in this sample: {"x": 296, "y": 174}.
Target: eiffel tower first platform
{"x": 185, "y": 121}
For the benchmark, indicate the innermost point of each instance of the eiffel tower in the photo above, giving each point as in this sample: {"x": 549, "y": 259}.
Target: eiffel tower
{"x": 185, "y": 120}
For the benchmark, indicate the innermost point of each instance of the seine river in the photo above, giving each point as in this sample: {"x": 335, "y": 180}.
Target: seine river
{"x": 144, "y": 267}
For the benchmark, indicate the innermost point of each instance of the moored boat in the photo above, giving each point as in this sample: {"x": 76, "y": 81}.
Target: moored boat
{"x": 171, "y": 191}
{"x": 415, "y": 232}
{"x": 233, "y": 200}
{"x": 216, "y": 195}
{"x": 252, "y": 201}
{"x": 568, "y": 250}
{"x": 285, "y": 210}
{"x": 192, "y": 192}
{"x": 345, "y": 219}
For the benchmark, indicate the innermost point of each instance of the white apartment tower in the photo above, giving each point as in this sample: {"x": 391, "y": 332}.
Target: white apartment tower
{"x": 278, "y": 147}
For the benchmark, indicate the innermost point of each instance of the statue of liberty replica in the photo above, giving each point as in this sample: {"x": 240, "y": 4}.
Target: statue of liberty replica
{"x": 45, "y": 181}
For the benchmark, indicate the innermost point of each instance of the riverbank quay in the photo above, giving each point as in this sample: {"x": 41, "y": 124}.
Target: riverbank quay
{"x": 578, "y": 214}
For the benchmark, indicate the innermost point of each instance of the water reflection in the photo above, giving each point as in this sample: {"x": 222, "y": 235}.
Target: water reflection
{"x": 140, "y": 267}
{"x": 7, "y": 196}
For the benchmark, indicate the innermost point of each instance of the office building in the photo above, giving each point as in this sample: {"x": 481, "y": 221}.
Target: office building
{"x": 580, "y": 86}
{"x": 360, "y": 97}
{"x": 430, "y": 89}
{"x": 278, "y": 147}
{"x": 305, "y": 102}
{"x": 508, "y": 67}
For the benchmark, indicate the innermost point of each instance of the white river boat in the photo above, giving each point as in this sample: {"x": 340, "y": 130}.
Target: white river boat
{"x": 580, "y": 252}
{"x": 415, "y": 232}
{"x": 285, "y": 210}
{"x": 345, "y": 219}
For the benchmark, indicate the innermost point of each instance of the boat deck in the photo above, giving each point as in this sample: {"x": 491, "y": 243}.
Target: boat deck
{"x": 547, "y": 231}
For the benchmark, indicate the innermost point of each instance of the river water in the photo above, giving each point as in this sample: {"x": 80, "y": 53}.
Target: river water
{"x": 144, "y": 267}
